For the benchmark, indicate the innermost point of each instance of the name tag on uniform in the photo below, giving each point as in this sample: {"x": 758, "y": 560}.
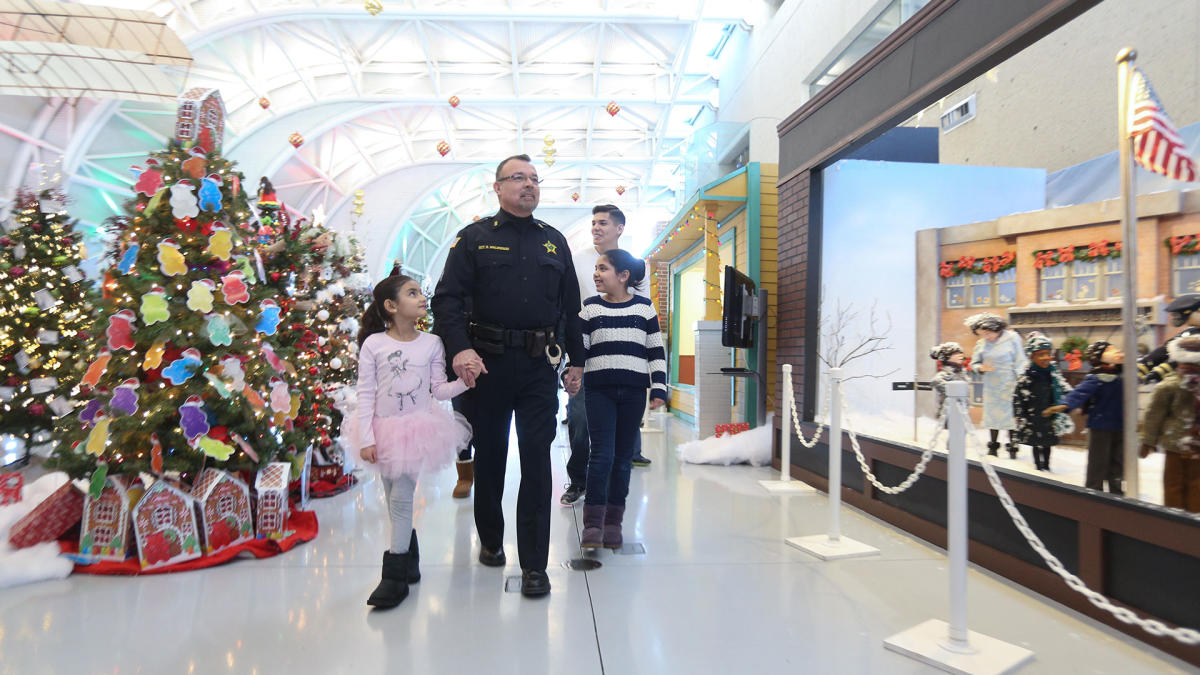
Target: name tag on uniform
{"x": 493, "y": 247}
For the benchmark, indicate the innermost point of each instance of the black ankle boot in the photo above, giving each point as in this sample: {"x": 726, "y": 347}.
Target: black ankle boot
{"x": 993, "y": 446}
{"x": 1012, "y": 450}
{"x": 393, "y": 587}
{"x": 414, "y": 560}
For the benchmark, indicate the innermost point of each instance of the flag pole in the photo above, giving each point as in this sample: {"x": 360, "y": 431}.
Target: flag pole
{"x": 1129, "y": 375}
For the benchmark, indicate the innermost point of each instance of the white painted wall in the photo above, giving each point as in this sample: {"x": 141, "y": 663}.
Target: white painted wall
{"x": 764, "y": 81}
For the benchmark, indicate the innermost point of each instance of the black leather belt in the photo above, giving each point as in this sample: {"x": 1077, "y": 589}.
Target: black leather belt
{"x": 494, "y": 339}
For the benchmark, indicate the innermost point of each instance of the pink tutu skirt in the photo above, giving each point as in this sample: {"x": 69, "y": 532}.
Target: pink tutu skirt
{"x": 420, "y": 441}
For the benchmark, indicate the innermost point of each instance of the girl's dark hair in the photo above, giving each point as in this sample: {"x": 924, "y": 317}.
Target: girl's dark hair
{"x": 623, "y": 261}
{"x": 375, "y": 319}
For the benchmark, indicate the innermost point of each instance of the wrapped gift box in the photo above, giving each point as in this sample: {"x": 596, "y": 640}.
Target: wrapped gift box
{"x": 50, "y": 519}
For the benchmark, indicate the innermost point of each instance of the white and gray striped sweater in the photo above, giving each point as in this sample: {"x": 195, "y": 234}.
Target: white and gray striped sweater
{"x": 624, "y": 345}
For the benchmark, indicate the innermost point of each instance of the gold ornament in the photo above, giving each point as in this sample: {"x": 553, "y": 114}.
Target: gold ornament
{"x": 373, "y": 7}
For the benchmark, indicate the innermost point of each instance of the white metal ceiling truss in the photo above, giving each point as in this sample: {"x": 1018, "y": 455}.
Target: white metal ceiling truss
{"x": 369, "y": 95}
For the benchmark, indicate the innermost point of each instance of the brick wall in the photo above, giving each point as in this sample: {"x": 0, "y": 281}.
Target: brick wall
{"x": 793, "y": 285}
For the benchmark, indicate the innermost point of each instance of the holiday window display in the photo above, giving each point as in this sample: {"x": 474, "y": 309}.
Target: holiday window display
{"x": 45, "y": 309}
{"x": 178, "y": 366}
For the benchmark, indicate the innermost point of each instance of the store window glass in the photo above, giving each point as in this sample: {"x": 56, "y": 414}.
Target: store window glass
{"x": 981, "y": 289}
{"x": 1006, "y": 287}
{"x": 1054, "y": 283}
{"x": 1185, "y": 273}
{"x": 956, "y": 292}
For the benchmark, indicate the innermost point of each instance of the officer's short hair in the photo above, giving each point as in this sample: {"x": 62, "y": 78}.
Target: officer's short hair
{"x": 506, "y": 160}
{"x": 613, "y": 213}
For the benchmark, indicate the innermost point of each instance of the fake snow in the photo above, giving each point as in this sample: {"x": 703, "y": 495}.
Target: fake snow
{"x": 40, "y": 561}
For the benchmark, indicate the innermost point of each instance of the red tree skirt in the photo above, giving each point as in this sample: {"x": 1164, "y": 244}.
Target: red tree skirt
{"x": 302, "y": 524}
{"x": 320, "y": 489}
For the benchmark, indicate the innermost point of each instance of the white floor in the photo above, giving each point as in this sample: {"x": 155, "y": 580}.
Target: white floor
{"x": 717, "y": 591}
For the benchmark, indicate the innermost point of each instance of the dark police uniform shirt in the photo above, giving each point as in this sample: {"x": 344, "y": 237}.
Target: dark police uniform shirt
{"x": 512, "y": 272}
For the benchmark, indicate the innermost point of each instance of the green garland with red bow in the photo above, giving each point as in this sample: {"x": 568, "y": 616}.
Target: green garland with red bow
{"x": 972, "y": 265}
{"x": 1086, "y": 252}
{"x": 1184, "y": 244}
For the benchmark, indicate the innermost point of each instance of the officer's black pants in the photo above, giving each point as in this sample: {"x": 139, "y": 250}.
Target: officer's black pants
{"x": 527, "y": 386}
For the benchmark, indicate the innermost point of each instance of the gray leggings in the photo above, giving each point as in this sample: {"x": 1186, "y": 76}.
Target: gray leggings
{"x": 399, "y": 495}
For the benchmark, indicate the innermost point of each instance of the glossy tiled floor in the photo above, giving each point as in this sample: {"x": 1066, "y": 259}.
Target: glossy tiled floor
{"x": 717, "y": 591}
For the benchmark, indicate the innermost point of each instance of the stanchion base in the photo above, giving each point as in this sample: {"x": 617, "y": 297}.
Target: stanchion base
{"x": 929, "y": 643}
{"x": 821, "y": 546}
{"x": 787, "y": 487}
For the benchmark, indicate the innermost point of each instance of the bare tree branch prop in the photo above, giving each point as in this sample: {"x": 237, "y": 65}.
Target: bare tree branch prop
{"x": 839, "y": 348}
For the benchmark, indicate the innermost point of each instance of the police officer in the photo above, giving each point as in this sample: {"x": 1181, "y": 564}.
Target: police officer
{"x": 1154, "y": 366}
{"x": 507, "y": 284}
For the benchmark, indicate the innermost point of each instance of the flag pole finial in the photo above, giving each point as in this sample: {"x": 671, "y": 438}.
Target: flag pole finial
{"x": 1126, "y": 54}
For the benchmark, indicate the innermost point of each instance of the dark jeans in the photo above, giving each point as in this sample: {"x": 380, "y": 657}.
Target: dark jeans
{"x": 613, "y": 414}
{"x": 1105, "y": 460}
{"x": 524, "y": 385}
{"x": 577, "y": 433}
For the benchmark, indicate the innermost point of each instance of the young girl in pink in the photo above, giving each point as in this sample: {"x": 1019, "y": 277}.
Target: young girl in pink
{"x": 399, "y": 428}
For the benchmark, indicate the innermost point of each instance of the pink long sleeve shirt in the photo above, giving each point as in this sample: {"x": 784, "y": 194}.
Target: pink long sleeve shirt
{"x": 396, "y": 378}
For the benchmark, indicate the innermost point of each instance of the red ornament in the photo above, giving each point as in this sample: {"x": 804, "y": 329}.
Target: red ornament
{"x": 275, "y": 276}
{"x": 6, "y": 241}
{"x": 296, "y": 139}
{"x": 12, "y": 381}
{"x": 443, "y": 148}
{"x": 612, "y": 108}
{"x": 36, "y": 227}
{"x": 620, "y": 189}
{"x": 454, "y": 101}
{"x": 574, "y": 196}
{"x": 37, "y": 410}
{"x": 264, "y": 102}
{"x": 219, "y": 433}
{"x": 17, "y": 271}
{"x": 313, "y": 370}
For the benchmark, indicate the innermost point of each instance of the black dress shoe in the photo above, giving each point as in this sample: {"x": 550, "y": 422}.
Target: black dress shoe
{"x": 534, "y": 583}
{"x": 572, "y": 494}
{"x": 492, "y": 558}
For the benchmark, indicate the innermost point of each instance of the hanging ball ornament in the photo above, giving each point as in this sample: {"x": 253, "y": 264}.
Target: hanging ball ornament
{"x": 612, "y": 108}
{"x": 454, "y": 101}
{"x": 323, "y": 315}
{"x": 335, "y": 363}
{"x": 549, "y": 140}
{"x": 550, "y": 160}
{"x": 620, "y": 189}
{"x": 373, "y": 7}
{"x": 296, "y": 139}
{"x": 443, "y": 148}
{"x": 574, "y": 196}
{"x": 264, "y": 102}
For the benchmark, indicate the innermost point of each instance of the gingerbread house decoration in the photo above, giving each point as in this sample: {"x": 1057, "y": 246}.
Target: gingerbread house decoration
{"x": 200, "y": 120}
{"x": 104, "y": 533}
{"x": 164, "y": 522}
{"x": 223, "y": 502}
{"x": 271, "y": 490}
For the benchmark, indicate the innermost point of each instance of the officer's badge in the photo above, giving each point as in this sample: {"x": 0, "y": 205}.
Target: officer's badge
{"x": 550, "y": 248}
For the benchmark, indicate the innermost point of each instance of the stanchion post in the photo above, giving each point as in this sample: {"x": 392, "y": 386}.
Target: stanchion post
{"x": 835, "y": 454}
{"x": 832, "y": 545}
{"x": 950, "y": 645}
{"x": 956, "y": 517}
{"x": 785, "y": 484}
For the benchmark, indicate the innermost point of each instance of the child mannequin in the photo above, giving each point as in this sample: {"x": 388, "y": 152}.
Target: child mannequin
{"x": 1172, "y": 423}
{"x": 1100, "y": 394}
{"x": 1039, "y": 391}
{"x": 950, "y": 360}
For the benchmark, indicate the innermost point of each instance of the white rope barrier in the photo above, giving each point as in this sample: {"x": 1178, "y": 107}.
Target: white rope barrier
{"x": 917, "y": 471}
{"x": 1187, "y": 636}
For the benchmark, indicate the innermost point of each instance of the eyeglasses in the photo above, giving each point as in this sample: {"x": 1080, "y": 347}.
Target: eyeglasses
{"x": 520, "y": 178}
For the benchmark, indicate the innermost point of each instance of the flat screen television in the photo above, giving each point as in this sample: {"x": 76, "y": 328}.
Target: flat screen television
{"x": 739, "y": 314}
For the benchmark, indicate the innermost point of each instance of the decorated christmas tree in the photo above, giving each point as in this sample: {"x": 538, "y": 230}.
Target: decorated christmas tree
{"x": 44, "y": 309}
{"x": 183, "y": 371}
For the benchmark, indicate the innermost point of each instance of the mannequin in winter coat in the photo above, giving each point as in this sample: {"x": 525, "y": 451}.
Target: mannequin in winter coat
{"x": 1037, "y": 402}
{"x": 999, "y": 357}
{"x": 950, "y": 360}
{"x": 1172, "y": 423}
{"x": 1100, "y": 395}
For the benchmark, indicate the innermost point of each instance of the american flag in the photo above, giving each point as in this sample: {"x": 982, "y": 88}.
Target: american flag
{"x": 1157, "y": 145}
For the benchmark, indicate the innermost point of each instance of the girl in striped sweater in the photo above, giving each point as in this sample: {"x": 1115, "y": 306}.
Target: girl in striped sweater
{"x": 624, "y": 357}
